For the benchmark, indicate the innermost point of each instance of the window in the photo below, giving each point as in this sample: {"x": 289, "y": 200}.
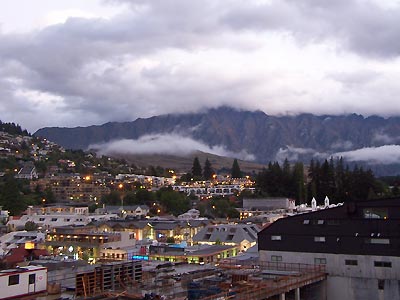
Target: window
{"x": 13, "y": 279}
{"x": 320, "y": 222}
{"x": 320, "y": 261}
{"x": 276, "y": 237}
{"x": 54, "y": 219}
{"x": 306, "y": 222}
{"x": 319, "y": 239}
{"x": 383, "y": 264}
{"x": 230, "y": 237}
{"x": 351, "y": 262}
{"x": 276, "y": 258}
{"x": 41, "y": 219}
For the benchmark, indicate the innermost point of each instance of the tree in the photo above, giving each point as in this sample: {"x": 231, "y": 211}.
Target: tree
{"x": 236, "y": 172}
{"x": 143, "y": 196}
{"x": 208, "y": 171}
{"x": 130, "y": 198}
{"x": 196, "y": 169}
{"x": 49, "y": 195}
{"x": 113, "y": 198}
{"x": 11, "y": 198}
{"x": 30, "y": 226}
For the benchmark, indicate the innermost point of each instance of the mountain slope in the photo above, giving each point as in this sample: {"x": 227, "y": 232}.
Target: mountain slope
{"x": 265, "y": 137}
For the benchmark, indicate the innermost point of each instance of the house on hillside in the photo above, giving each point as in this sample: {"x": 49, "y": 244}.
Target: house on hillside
{"x": 28, "y": 171}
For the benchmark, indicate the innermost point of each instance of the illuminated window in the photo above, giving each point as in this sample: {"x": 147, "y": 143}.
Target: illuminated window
{"x": 276, "y": 237}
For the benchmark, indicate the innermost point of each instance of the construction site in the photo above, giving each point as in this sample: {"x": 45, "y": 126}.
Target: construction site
{"x": 227, "y": 280}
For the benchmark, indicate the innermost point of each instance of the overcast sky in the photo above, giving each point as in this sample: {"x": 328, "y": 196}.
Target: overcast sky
{"x": 78, "y": 63}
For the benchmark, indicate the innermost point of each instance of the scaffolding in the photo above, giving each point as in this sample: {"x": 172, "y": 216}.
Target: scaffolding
{"x": 108, "y": 278}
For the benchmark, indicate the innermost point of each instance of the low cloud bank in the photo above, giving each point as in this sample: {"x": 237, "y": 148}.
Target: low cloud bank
{"x": 388, "y": 154}
{"x": 169, "y": 144}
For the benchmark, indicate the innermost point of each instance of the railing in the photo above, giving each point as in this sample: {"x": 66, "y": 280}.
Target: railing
{"x": 271, "y": 265}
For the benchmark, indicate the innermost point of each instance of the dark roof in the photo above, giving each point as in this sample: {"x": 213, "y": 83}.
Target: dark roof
{"x": 213, "y": 249}
{"x": 363, "y": 228}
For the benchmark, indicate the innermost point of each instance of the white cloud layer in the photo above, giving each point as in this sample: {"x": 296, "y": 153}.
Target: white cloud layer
{"x": 170, "y": 144}
{"x": 96, "y": 61}
{"x": 388, "y": 154}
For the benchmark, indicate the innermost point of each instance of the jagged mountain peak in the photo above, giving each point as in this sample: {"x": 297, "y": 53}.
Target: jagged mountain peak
{"x": 262, "y": 137}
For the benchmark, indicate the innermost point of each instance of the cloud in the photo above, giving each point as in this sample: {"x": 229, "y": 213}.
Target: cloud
{"x": 388, "y": 154}
{"x": 295, "y": 154}
{"x": 167, "y": 56}
{"x": 344, "y": 145}
{"x": 385, "y": 138}
{"x": 170, "y": 144}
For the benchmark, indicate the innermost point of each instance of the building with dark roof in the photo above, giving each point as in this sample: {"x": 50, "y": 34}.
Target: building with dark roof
{"x": 243, "y": 236}
{"x": 359, "y": 243}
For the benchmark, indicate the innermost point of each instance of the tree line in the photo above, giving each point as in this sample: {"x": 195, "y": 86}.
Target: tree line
{"x": 207, "y": 172}
{"x": 330, "y": 178}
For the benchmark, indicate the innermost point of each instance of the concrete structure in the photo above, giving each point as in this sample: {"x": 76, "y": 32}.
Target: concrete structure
{"x": 359, "y": 243}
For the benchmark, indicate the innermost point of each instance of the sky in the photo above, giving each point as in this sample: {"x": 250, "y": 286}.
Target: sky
{"x": 79, "y": 63}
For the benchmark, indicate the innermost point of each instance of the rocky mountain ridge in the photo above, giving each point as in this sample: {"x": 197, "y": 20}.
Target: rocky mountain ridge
{"x": 264, "y": 138}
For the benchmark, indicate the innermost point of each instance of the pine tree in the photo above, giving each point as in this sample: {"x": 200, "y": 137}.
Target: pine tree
{"x": 11, "y": 198}
{"x": 196, "y": 169}
{"x": 208, "y": 171}
{"x": 236, "y": 172}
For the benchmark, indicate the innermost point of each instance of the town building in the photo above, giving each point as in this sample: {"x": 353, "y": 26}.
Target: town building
{"x": 160, "y": 230}
{"x": 358, "y": 243}
{"x": 242, "y": 236}
{"x": 126, "y": 211}
{"x": 210, "y": 254}
{"x": 52, "y": 220}
{"x": 83, "y": 243}
{"x": 28, "y": 171}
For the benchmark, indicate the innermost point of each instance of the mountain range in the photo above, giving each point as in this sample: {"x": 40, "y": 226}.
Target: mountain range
{"x": 248, "y": 135}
